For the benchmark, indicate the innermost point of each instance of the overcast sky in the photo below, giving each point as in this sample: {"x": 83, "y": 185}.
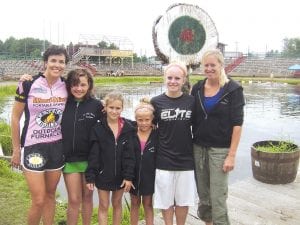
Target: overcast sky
{"x": 256, "y": 25}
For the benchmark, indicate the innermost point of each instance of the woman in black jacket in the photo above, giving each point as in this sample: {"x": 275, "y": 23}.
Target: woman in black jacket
{"x": 81, "y": 113}
{"x": 216, "y": 134}
{"x": 111, "y": 160}
{"x": 145, "y": 147}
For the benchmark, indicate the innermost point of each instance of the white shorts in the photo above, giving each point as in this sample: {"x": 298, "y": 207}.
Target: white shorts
{"x": 174, "y": 188}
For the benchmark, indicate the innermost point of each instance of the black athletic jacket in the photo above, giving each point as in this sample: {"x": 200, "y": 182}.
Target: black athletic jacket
{"x": 77, "y": 122}
{"x": 214, "y": 128}
{"x": 145, "y": 165}
{"x": 110, "y": 161}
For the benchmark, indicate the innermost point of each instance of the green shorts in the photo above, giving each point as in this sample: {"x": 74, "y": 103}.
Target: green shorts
{"x": 75, "y": 167}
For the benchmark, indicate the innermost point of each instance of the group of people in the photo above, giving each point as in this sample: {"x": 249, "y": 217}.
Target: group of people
{"x": 178, "y": 145}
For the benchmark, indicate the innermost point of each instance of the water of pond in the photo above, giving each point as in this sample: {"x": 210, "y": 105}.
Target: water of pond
{"x": 272, "y": 111}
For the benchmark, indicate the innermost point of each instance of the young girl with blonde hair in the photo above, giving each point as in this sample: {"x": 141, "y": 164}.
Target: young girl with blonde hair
{"x": 145, "y": 146}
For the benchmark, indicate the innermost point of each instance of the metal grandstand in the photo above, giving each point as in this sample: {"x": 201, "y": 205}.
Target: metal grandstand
{"x": 89, "y": 48}
{"x": 123, "y": 43}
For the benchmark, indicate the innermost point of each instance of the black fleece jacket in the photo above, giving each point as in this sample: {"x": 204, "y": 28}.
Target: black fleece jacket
{"x": 77, "y": 122}
{"x": 145, "y": 165}
{"x": 214, "y": 128}
{"x": 110, "y": 161}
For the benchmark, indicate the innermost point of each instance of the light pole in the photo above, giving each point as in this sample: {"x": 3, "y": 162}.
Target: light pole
{"x": 236, "y": 49}
{"x": 25, "y": 50}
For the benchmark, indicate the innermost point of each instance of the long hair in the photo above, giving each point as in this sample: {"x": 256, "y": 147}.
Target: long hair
{"x": 223, "y": 79}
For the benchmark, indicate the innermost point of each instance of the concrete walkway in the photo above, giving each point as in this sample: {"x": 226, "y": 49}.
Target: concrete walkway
{"x": 251, "y": 202}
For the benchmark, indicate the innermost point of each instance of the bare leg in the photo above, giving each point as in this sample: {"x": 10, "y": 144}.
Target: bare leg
{"x": 87, "y": 203}
{"x": 74, "y": 189}
{"x": 168, "y": 215}
{"x": 134, "y": 209}
{"x": 37, "y": 189}
{"x": 181, "y": 214}
{"x": 117, "y": 206}
{"x": 148, "y": 208}
{"x": 52, "y": 179}
{"x": 103, "y": 207}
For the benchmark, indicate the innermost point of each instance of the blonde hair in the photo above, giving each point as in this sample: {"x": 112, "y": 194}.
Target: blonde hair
{"x": 223, "y": 79}
{"x": 113, "y": 96}
{"x": 144, "y": 104}
{"x": 177, "y": 64}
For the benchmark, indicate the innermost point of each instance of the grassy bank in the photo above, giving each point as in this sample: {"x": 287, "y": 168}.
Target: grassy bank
{"x": 15, "y": 201}
{"x": 7, "y": 90}
{"x": 193, "y": 79}
{"x": 5, "y": 138}
{"x": 10, "y": 89}
{"x": 15, "y": 198}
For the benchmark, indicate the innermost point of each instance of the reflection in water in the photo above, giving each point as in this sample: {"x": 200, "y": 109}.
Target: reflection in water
{"x": 272, "y": 111}
{"x": 132, "y": 94}
{"x": 272, "y": 100}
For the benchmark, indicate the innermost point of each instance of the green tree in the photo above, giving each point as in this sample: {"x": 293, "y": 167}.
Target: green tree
{"x": 25, "y": 47}
{"x": 291, "y": 47}
{"x": 103, "y": 45}
{"x": 1, "y": 47}
{"x": 113, "y": 46}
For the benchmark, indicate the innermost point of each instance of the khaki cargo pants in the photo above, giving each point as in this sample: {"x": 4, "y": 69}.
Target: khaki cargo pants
{"x": 212, "y": 184}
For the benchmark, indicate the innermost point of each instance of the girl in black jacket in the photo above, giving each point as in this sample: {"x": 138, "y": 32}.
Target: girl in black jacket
{"x": 81, "y": 113}
{"x": 111, "y": 160}
{"x": 145, "y": 146}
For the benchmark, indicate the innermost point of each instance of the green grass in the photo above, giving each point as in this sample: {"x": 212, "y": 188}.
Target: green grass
{"x": 193, "y": 79}
{"x": 15, "y": 201}
{"x": 7, "y": 90}
{"x": 5, "y": 138}
{"x": 129, "y": 79}
{"x": 14, "y": 196}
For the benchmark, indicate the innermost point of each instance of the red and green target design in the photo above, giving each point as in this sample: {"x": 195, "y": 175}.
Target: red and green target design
{"x": 186, "y": 35}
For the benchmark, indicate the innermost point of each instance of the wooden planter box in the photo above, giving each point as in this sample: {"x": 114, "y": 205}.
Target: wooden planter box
{"x": 274, "y": 168}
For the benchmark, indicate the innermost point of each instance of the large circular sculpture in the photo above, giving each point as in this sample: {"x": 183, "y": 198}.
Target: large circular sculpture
{"x": 183, "y": 34}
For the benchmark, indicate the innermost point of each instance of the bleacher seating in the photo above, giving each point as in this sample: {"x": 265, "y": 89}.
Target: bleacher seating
{"x": 265, "y": 67}
{"x": 249, "y": 67}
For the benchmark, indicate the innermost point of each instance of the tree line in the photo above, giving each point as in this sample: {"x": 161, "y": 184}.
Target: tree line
{"x": 33, "y": 48}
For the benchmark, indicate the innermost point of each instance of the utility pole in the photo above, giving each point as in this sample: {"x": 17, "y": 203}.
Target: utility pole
{"x": 236, "y": 49}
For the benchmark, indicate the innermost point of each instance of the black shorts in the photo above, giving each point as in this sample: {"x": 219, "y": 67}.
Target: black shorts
{"x": 43, "y": 156}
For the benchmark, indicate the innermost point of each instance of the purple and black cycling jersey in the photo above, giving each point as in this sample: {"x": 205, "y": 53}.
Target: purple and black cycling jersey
{"x": 44, "y": 106}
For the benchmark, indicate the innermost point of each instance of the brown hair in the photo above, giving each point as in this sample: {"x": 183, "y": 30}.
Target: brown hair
{"x": 55, "y": 50}
{"x": 73, "y": 80}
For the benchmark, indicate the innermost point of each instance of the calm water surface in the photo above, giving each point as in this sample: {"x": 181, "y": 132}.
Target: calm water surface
{"x": 272, "y": 111}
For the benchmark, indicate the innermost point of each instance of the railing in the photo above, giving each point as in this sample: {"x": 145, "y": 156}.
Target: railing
{"x": 234, "y": 64}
